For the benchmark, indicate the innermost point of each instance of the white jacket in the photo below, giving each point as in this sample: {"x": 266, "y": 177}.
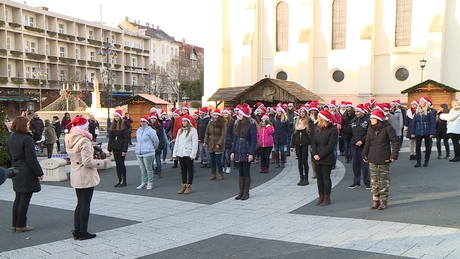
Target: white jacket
{"x": 186, "y": 146}
{"x": 453, "y": 120}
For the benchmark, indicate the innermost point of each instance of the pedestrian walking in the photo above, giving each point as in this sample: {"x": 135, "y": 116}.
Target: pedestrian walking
{"x": 93, "y": 127}
{"x": 380, "y": 149}
{"x": 323, "y": 145}
{"x": 21, "y": 153}
{"x": 83, "y": 173}
{"x": 147, "y": 143}
{"x": 118, "y": 146}
{"x": 186, "y": 148}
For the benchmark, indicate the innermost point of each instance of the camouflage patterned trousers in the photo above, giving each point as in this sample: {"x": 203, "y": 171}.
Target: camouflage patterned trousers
{"x": 380, "y": 179}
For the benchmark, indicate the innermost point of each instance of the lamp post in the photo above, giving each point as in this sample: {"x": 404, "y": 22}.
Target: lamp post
{"x": 107, "y": 53}
{"x": 149, "y": 78}
{"x": 178, "y": 89}
{"x": 39, "y": 73}
{"x": 132, "y": 88}
{"x": 18, "y": 77}
{"x": 422, "y": 65}
{"x": 86, "y": 90}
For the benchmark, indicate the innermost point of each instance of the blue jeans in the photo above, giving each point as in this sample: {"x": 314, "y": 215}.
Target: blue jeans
{"x": 226, "y": 154}
{"x": 145, "y": 164}
{"x": 204, "y": 154}
{"x": 158, "y": 161}
{"x": 280, "y": 149}
{"x": 216, "y": 162}
{"x": 347, "y": 147}
{"x": 165, "y": 151}
{"x": 360, "y": 166}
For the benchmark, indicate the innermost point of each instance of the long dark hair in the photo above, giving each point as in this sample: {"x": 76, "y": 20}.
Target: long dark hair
{"x": 220, "y": 122}
{"x": 241, "y": 126}
{"x": 117, "y": 126}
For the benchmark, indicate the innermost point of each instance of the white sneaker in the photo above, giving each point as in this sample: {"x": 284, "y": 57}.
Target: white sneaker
{"x": 142, "y": 186}
{"x": 149, "y": 187}
{"x": 228, "y": 170}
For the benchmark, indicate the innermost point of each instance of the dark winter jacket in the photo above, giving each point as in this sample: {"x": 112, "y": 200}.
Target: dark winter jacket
{"x": 161, "y": 139}
{"x": 93, "y": 124}
{"x": 282, "y": 129}
{"x": 303, "y": 137}
{"x": 377, "y": 148}
{"x": 202, "y": 123}
{"x": 37, "y": 127}
{"x": 345, "y": 132}
{"x": 21, "y": 151}
{"x": 119, "y": 140}
{"x": 215, "y": 135}
{"x": 323, "y": 144}
{"x": 424, "y": 125}
{"x": 229, "y": 136}
{"x": 245, "y": 145}
{"x": 359, "y": 130}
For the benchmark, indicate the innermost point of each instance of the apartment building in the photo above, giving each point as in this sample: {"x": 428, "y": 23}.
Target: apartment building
{"x": 42, "y": 52}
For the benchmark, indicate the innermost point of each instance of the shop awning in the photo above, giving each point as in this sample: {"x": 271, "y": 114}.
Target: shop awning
{"x": 15, "y": 99}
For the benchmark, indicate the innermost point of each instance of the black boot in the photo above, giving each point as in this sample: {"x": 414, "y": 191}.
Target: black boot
{"x": 247, "y": 185}
{"x": 118, "y": 183}
{"x": 76, "y": 234}
{"x": 425, "y": 164}
{"x": 283, "y": 160}
{"x": 277, "y": 157}
{"x": 175, "y": 164}
{"x": 305, "y": 181}
{"x": 418, "y": 164}
{"x": 241, "y": 188}
{"x": 86, "y": 235}
{"x": 123, "y": 182}
{"x": 300, "y": 181}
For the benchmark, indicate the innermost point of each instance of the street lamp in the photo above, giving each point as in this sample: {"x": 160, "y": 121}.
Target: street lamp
{"x": 39, "y": 73}
{"x": 422, "y": 65}
{"x": 86, "y": 90}
{"x": 109, "y": 52}
{"x": 178, "y": 88}
{"x": 132, "y": 88}
{"x": 149, "y": 79}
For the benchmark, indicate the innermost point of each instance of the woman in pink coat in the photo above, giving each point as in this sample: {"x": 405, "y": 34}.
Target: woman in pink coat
{"x": 265, "y": 139}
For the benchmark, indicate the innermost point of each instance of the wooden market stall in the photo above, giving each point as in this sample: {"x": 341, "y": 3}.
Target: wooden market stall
{"x": 141, "y": 104}
{"x": 438, "y": 93}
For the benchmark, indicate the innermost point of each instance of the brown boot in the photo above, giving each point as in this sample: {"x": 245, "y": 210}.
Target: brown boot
{"x": 277, "y": 159}
{"x": 313, "y": 176}
{"x": 241, "y": 186}
{"x": 375, "y": 205}
{"x": 320, "y": 200}
{"x": 327, "y": 200}
{"x": 221, "y": 176}
{"x": 213, "y": 176}
{"x": 273, "y": 157}
{"x": 188, "y": 189}
{"x": 181, "y": 191}
{"x": 383, "y": 205}
{"x": 247, "y": 185}
{"x": 283, "y": 160}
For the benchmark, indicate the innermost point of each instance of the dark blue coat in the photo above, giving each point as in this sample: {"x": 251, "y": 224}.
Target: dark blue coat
{"x": 424, "y": 125}
{"x": 245, "y": 145}
{"x": 282, "y": 129}
{"x": 229, "y": 136}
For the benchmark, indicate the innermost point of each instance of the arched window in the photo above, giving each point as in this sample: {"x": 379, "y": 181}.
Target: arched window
{"x": 403, "y": 22}
{"x": 339, "y": 24}
{"x": 282, "y": 26}
{"x": 281, "y": 75}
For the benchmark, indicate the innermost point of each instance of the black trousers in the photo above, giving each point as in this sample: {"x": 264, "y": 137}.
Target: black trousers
{"x": 265, "y": 156}
{"x": 120, "y": 163}
{"x": 20, "y": 208}
{"x": 81, "y": 215}
{"x": 302, "y": 159}
{"x": 446, "y": 145}
{"x": 455, "y": 140}
{"x": 49, "y": 149}
{"x": 418, "y": 144}
{"x": 186, "y": 169}
{"x": 323, "y": 178}
{"x": 244, "y": 169}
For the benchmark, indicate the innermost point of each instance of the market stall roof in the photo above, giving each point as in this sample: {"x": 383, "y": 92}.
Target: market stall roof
{"x": 149, "y": 98}
{"x": 267, "y": 89}
{"x": 429, "y": 81}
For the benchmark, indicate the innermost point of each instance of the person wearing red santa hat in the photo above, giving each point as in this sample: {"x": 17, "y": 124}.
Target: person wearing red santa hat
{"x": 165, "y": 122}
{"x": 265, "y": 139}
{"x": 158, "y": 127}
{"x": 243, "y": 150}
{"x": 118, "y": 145}
{"x": 230, "y": 122}
{"x": 423, "y": 127}
{"x": 380, "y": 149}
{"x": 337, "y": 121}
{"x": 83, "y": 173}
{"x": 397, "y": 119}
{"x": 147, "y": 143}
{"x": 345, "y": 131}
{"x": 178, "y": 125}
{"x": 301, "y": 141}
{"x": 323, "y": 144}
{"x": 201, "y": 125}
{"x": 282, "y": 129}
{"x": 407, "y": 124}
{"x": 291, "y": 114}
{"x": 186, "y": 150}
{"x": 214, "y": 141}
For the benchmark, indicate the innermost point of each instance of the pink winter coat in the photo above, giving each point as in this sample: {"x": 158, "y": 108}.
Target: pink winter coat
{"x": 265, "y": 136}
{"x": 337, "y": 120}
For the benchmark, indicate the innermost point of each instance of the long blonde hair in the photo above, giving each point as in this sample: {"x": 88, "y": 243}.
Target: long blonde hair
{"x": 423, "y": 110}
{"x": 322, "y": 123}
{"x": 306, "y": 120}
{"x": 188, "y": 127}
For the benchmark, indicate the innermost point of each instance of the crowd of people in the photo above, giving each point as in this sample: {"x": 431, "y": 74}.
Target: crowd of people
{"x": 368, "y": 135}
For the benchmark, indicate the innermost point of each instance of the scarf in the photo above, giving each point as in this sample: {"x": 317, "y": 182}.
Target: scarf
{"x": 301, "y": 125}
{"x": 79, "y": 131}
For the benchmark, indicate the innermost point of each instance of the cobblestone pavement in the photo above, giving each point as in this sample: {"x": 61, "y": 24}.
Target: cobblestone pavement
{"x": 278, "y": 221}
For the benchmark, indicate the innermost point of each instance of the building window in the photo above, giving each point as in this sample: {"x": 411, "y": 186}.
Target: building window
{"x": 127, "y": 44}
{"x": 31, "y": 22}
{"x": 338, "y": 76}
{"x": 8, "y": 43}
{"x": 163, "y": 49}
{"x": 61, "y": 28}
{"x": 339, "y": 24}
{"x": 92, "y": 56}
{"x": 46, "y": 24}
{"x": 7, "y": 16}
{"x": 24, "y": 20}
{"x": 91, "y": 35}
{"x": 33, "y": 47}
{"x": 281, "y": 75}
{"x": 47, "y": 49}
{"x": 134, "y": 80}
{"x": 77, "y": 54}
{"x": 403, "y": 22}
{"x": 402, "y": 74}
{"x": 134, "y": 62}
{"x": 282, "y": 26}
{"x": 9, "y": 70}
{"x": 28, "y": 74}
{"x": 113, "y": 39}
{"x": 62, "y": 52}
{"x": 154, "y": 48}
{"x": 26, "y": 46}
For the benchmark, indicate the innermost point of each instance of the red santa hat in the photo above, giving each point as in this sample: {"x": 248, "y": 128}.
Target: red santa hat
{"x": 296, "y": 111}
{"x": 426, "y": 100}
{"x": 176, "y": 113}
{"x": 79, "y": 121}
{"x": 326, "y": 115}
{"x": 118, "y": 113}
{"x": 378, "y": 114}
{"x": 196, "y": 113}
{"x": 204, "y": 109}
{"x": 238, "y": 107}
{"x": 333, "y": 104}
{"x": 173, "y": 109}
{"x": 314, "y": 106}
{"x": 367, "y": 107}
{"x": 187, "y": 117}
{"x": 258, "y": 105}
{"x": 373, "y": 100}
{"x": 290, "y": 104}
{"x": 185, "y": 106}
{"x": 245, "y": 112}
{"x": 153, "y": 109}
{"x": 266, "y": 116}
{"x": 360, "y": 108}
{"x": 145, "y": 118}
{"x": 217, "y": 112}
{"x": 348, "y": 104}
{"x": 280, "y": 107}
{"x": 163, "y": 112}
{"x": 386, "y": 107}
{"x": 227, "y": 110}
{"x": 304, "y": 108}
{"x": 153, "y": 115}
{"x": 414, "y": 102}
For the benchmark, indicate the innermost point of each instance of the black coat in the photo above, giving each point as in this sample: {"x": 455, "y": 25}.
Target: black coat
{"x": 21, "y": 151}
{"x": 323, "y": 144}
{"x": 303, "y": 137}
{"x": 345, "y": 131}
{"x": 359, "y": 130}
{"x": 202, "y": 124}
{"x": 37, "y": 127}
{"x": 377, "y": 147}
{"x": 119, "y": 140}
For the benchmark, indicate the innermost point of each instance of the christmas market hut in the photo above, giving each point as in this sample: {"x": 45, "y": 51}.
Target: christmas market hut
{"x": 438, "y": 93}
